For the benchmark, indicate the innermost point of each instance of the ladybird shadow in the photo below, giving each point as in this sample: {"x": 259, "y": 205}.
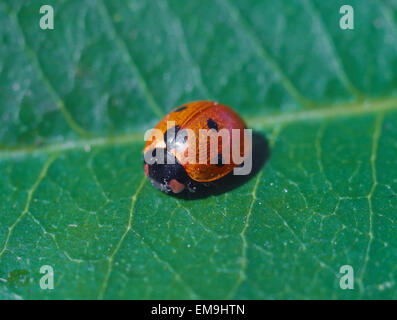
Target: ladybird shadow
{"x": 260, "y": 155}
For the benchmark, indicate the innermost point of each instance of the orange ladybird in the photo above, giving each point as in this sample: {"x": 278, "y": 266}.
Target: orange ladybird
{"x": 178, "y": 155}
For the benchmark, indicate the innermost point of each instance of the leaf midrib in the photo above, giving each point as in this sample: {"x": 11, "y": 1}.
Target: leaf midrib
{"x": 348, "y": 110}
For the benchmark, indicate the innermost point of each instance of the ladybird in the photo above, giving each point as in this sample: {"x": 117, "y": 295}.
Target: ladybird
{"x": 178, "y": 155}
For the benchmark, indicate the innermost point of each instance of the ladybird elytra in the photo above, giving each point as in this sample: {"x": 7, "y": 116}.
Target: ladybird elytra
{"x": 180, "y": 136}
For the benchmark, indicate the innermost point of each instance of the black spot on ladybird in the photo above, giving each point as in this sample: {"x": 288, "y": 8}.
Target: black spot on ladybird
{"x": 169, "y": 138}
{"x": 212, "y": 124}
{"x": 180, "y": 109}
{"x": 219, "y": 164}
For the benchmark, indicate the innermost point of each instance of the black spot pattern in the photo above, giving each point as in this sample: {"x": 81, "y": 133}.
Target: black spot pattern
{"x": 219, "y": 164}
{"x": 180, "y": 109}
{"x": 169, "y": 140}
{"x": 212, "y": 124}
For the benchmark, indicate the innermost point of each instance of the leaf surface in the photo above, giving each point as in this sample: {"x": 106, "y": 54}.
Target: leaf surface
{"x": 75, "y": 102}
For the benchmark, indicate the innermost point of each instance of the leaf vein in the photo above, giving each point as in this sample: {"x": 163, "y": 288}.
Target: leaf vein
{"x": 168, "y": 267}
{"x": 31, "y": 192}
{"x": 340, "y": 69}
{"x": 45, "y": 80}
{"x": 243, "y": 258}
{"x": 188, "y": 55}
{"x": 123, "y": 236}
{"x": 346, "y": 110}
{"x": 129, "y": 59}
{"x": 264, "y": 54}
{"x": 375, "y": 142}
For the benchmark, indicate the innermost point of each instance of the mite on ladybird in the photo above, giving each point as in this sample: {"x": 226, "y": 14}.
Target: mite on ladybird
{"x": 196, "y": 144}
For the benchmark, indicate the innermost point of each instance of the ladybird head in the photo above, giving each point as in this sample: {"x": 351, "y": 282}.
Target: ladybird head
{"x": 164, "y": 171}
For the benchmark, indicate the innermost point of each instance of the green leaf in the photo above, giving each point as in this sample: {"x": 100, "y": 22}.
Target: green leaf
{"x": 75, "y": 102}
